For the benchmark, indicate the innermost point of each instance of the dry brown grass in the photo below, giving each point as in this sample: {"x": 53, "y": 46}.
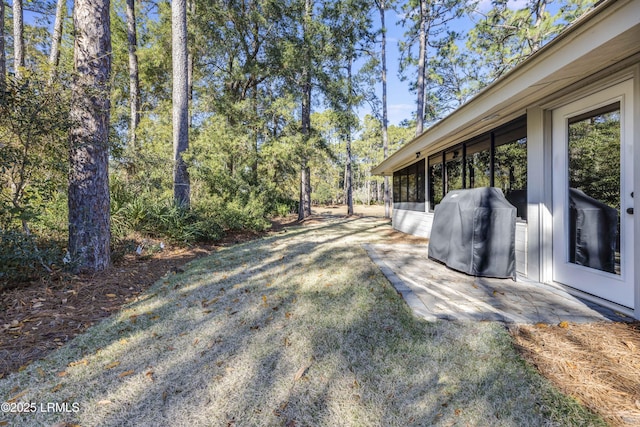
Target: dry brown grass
{"x": 598, "y": 364}
{"x": 297, "y": 328}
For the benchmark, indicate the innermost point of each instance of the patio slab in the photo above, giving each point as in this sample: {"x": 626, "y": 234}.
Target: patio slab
{"x": 436, "y": 292}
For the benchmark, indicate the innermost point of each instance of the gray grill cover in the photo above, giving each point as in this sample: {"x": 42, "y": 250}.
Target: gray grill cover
{"x": 593, "y": 232}
{"x": 474, "y": 232}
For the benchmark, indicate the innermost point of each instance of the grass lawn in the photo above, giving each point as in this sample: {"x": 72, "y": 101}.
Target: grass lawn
{"x": 299, "y": 328}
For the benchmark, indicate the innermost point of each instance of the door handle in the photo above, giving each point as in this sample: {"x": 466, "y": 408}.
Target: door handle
{"x": 630, "y": 211}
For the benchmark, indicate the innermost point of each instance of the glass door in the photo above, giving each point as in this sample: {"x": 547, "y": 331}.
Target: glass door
{"x": 593, "y": 195}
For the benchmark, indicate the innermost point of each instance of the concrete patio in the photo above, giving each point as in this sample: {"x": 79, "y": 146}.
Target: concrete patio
{"x": 436, "y": 292}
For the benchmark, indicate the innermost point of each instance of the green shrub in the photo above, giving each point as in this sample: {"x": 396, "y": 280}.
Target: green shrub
{"x": 24, "y": 257}
{"x": 34, "y": 128}
{"x": 166, "y": 220}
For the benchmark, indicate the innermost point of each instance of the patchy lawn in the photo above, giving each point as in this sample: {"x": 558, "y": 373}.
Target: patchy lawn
{"x": 298, "y": 328}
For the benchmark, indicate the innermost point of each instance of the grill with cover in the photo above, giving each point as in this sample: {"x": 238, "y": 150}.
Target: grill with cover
{"x": 474, "y": 232}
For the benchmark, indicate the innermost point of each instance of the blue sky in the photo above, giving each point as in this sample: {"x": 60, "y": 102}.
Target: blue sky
{"x": 401, "y": 102}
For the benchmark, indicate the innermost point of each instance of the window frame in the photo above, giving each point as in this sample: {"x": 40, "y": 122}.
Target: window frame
{"x": 409, "y": 187}
{"x": 514, "y": 131}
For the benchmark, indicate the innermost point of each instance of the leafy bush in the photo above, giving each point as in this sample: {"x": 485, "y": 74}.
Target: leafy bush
{"x": 33, "y": 149}
{"x": 284, "y": 207}
{"x": 236, "y": 216}
{"x": 24, "y": 257}
{"x": 180, "y": 225}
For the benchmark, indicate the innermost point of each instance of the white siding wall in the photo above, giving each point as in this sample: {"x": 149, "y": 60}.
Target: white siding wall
{"x": 521, "y": 248}
{"x": 419, "y": 224}
{"x": 412, "y": 222}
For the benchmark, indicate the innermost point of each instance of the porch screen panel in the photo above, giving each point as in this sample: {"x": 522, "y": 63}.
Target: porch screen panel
{"x": 420, "y": 177}
{"x": 453, "y": 169}
{"x": 510, "y": 167}
{"x": 497, "y": 158}
{"x": 435, "y": 181}
{"x": 409, "y": 187}
{"x": 412, "y": 186}
{"x": 479, "y": 163}
{"x": 403, "y": 188}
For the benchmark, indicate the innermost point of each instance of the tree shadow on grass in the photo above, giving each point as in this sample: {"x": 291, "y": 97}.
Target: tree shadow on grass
{"x": 299, "y": 328}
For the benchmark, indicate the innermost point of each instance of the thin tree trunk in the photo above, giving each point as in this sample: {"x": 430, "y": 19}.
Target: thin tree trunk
{"x": 134, "y": 80}
{"x": 89, "y": 205}
{"x": 307, "y": 191}
{"x": 3, "y": 55}
{"x": 368, "y": 188}
{"x": 304, "y": 209}
{"x": 190, "y": 84}
{"x": 385, "y": 121}
{"x": 181, "y": 187}
{"x": 348, "y": 177}
{"x": 421, "y": 68}
{"x": 18, "y": 38}
{"x": 256, "y": 139}
{"x": 191, "y": 9}
{"x": 56, "y": 39}
{"x": 348, "y": 183}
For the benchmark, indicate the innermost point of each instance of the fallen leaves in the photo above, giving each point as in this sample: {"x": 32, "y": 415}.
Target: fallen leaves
{"x": 113, "y": 364}
{"x": 82, "y": 362}
{"x": 278, "y": 411}
{"x": 594, "y": 363}
{"x": 302, "y": 371}
{"x": 17, "y": 396}
{"x": 126, "y": 373}
{"x": 206, "y": 303}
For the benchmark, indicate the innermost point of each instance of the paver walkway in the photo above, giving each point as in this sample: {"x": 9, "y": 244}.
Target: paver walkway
{"x": 434, "y": 292}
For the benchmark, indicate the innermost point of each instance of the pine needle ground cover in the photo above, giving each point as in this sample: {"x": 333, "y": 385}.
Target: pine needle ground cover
{"x": 295, "y": 329}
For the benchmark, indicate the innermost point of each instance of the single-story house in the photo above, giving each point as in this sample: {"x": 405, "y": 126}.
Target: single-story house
{"x": 560, "y": 135}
